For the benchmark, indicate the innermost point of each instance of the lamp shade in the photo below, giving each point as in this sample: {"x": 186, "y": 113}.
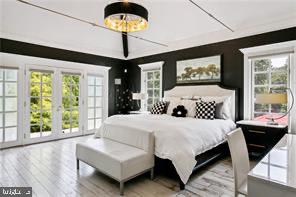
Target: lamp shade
{"x": 138, "y": 96}
{"x": 271, "y": 98}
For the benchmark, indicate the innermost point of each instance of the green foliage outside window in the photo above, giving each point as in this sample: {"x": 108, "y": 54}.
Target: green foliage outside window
{"x": 70, "y": 101}
{"x": 41, "y": 98}
{"x": 270, "y": 77}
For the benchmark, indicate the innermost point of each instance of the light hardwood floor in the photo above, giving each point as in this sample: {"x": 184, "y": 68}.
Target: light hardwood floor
{"x": 50, "y": 168}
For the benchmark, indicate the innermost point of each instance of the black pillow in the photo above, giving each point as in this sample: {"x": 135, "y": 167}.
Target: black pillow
{"x": 205, "y": 110}
{"x": 179, "y": 111}
{"x": 158, "y": 108}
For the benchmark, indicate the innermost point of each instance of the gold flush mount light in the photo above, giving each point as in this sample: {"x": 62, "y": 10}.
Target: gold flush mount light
{"x": 125, "y": 16}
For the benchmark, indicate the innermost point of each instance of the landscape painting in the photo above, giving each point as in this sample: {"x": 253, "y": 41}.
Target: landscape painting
{"x": 200, "y": 70}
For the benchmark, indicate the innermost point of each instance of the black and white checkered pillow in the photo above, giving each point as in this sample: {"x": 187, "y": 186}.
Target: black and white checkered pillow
{"x": 158, "y": 108}
{"x": 205, "y": 110}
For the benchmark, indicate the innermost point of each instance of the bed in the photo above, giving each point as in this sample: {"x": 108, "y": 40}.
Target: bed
{"x": 181, "y": 144}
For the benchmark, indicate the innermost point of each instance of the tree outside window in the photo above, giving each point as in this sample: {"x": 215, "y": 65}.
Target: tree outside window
{"x": 270, "y": 74}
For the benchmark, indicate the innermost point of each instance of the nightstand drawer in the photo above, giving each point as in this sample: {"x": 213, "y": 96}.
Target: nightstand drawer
{"x": 255, "y": 136}
{"x": 256, "y": 147}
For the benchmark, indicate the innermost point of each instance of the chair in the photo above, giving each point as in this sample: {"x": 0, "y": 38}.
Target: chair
{"x": 240, "y": 160}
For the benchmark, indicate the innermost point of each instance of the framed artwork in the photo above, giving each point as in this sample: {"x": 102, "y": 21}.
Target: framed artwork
{"x": 199, "y": 70}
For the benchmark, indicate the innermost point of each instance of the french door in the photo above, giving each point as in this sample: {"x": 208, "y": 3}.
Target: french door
{"x": 69, "y": 108}
{"x": 53, "y": 104}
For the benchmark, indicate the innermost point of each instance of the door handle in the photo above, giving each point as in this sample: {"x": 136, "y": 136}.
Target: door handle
{"x": 59, "y": 108}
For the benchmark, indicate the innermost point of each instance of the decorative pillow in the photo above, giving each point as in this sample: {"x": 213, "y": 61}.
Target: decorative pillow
{"x": 205, "y": 110}
{"x": 158, "y": 108}
{"x": 219, "y": 111}
{"x": 172, "y": 102}
{"x": 190, "y": 105}
{"x": 179, "y": 111}
{"x": 223, "y": 110}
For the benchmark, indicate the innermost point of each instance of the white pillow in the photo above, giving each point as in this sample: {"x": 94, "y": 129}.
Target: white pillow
{"x": 190, "y": 105}
{"x": 173, "y": 102}
{"x": 226, "y": 100}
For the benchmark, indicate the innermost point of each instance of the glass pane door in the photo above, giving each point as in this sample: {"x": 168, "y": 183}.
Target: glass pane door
{"x": 152, "y": 87}
{"x": 70, "y": 103}
{"x": 41, "y": 113}
{"x": 95, "y": 93}
{"x": 8, "y": 105}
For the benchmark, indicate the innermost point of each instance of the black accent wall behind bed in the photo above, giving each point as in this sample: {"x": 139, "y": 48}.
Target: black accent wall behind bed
{"x": 232, "y": 61}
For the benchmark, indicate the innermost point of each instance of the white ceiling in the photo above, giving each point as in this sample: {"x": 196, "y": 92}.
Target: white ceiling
{"x": 176, "y": 23}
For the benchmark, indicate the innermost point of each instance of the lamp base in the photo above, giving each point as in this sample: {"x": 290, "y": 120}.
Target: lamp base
{"x": 272, "y": 122}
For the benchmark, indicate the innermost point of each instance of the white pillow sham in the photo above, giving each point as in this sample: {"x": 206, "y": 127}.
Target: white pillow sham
{"x": 226, "y": 108}
{"x": 190, "y": 105}
{"x": 173, "y": 102}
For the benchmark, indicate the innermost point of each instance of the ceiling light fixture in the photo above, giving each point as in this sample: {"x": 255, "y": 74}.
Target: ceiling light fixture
{"x": 125, "y": 16}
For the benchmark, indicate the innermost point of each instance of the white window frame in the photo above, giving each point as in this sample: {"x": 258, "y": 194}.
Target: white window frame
{"x": 270, "y": 85}
{"x": 21, "y": 62}
{"x": 80, "y": 104}
{"x": 26, "y": 133}
{"x": 94, "y": 107}
{"x": 150, "y": 67}
{"x": 20, "y": 108}
{"x": 265, "y": 50}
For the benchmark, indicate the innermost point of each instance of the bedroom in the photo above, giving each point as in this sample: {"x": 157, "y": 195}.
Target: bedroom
{"x": 67, "y": 74}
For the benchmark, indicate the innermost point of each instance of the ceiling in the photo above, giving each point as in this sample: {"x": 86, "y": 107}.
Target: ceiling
{"x": 176, "y": 23}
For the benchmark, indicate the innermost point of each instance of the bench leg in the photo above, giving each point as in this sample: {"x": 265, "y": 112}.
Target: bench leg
{"x": 77, "y": 164}
{"x": 121, "y": 188}
{"x": 152, "y": 173}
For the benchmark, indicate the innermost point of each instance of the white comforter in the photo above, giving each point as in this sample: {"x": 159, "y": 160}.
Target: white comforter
{"x": 177, "y": 139}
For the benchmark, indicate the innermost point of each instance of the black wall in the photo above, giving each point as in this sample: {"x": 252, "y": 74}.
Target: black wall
{"x": 232, "y": 61}
{"x": 116, "y": 71}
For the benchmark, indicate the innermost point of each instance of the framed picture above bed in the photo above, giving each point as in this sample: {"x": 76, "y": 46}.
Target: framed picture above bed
{"x": 199, "y": 70}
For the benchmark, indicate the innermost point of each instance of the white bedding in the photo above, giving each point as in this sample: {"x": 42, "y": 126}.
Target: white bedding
{"x": 177, "y": 139}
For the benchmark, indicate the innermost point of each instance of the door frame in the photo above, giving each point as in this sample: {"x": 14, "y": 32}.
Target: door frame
{"x": 27, "y": 139}
{"x": 80, "y": 132}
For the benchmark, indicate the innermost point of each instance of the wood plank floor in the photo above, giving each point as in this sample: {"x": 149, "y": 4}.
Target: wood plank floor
{"x": 50, "y": 168}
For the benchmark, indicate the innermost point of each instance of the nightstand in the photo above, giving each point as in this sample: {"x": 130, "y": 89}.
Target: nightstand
{"x": 260, "y": 137}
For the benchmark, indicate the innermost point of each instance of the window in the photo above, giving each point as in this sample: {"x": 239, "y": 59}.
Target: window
{"x": 151, "y": 83}
{"x": 95, "y": 98}
{"x": 270, "y": 74}
{"x": 8, "y": 105}
{"x": 70, "y": 102}
{"x": 152, "y": 86}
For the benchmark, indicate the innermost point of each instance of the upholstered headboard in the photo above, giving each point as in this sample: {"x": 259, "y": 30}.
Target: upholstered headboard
{"x": 205, "y": 90}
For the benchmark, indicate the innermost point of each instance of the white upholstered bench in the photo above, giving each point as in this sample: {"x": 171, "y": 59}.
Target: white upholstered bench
{"x": 117, "y": 159}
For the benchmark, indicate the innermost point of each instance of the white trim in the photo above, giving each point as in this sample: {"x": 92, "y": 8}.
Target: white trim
{"x": 293, "y": 88}
{"x": 26, "y": 62}
{"x": 283, "y": 47}
{"x": 150, "y": 67}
